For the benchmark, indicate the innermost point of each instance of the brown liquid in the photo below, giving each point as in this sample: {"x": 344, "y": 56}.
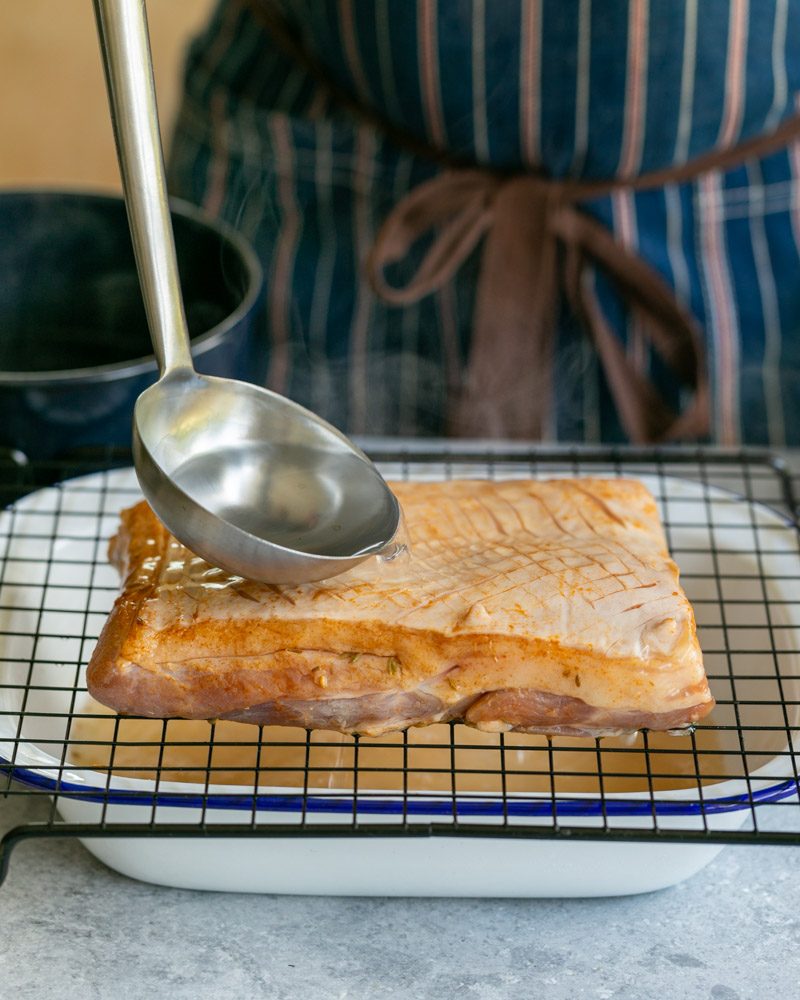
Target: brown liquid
{"x": 133, "y": 748}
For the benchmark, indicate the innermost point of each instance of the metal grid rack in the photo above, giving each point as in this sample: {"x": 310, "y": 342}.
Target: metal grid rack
{"x": 731, "y": 521}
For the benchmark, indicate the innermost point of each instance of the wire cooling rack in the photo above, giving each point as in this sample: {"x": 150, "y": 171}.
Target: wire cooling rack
{"x": 731, "y": 521}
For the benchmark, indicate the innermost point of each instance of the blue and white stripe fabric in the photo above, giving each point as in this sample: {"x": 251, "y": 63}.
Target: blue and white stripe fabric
{"x": 572, "y": 88}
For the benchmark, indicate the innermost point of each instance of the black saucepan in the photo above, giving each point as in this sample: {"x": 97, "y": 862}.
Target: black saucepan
{"x": 75, "y": 351}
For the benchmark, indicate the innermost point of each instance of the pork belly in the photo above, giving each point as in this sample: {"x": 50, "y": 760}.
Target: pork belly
{"x": 536, "y": 606}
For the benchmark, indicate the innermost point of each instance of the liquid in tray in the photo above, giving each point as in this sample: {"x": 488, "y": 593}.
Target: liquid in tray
{"x": 520, "y": 763}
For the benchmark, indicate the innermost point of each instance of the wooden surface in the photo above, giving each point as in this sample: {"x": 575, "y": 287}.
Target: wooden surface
{"x": 54, "y": 122}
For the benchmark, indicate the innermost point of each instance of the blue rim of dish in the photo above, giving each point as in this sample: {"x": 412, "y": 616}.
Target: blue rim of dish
{"x": 415, "y": 804}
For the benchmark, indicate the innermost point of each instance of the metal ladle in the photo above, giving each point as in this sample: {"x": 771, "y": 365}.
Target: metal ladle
{"x": 247, "y": 479}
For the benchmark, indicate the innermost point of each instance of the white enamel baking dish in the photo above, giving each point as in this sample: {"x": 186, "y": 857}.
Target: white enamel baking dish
{"x": 80, "y": 594}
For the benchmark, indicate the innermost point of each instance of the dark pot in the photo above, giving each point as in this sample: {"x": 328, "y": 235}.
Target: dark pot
{"x": 74, "y": 346}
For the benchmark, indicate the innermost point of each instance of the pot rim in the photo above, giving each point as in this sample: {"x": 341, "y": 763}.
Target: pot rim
{"x": 200, "y": 345}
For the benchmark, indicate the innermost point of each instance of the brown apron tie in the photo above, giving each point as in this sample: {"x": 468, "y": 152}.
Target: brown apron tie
{"x": 524, "y": 223}
{"x": 536, "y": 246}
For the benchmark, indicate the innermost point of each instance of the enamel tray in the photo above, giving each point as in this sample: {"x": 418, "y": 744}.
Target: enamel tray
{"x": 736, "y": 556}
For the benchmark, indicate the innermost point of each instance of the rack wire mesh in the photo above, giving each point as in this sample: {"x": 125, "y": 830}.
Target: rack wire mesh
{"x": 731, "y": 522}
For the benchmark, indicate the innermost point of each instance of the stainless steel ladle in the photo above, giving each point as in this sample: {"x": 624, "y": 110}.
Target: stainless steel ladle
{"x": 244, "y": 477}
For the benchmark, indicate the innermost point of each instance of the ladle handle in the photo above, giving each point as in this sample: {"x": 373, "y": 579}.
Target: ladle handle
{"x": 125, "y": 45}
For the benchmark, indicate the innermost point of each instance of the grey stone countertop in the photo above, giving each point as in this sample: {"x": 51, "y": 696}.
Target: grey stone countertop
{"x": 71, "y": 928}
{"x": 74, "y": 930}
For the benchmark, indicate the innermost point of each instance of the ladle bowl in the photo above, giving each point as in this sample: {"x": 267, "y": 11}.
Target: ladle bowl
{"x": 258, "y": 485}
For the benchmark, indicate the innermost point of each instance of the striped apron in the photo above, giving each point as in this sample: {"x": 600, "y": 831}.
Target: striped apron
{"x": 417, "y": 132}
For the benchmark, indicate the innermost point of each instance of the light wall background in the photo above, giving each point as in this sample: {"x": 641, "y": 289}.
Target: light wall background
{"x": 54, "y": 122}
